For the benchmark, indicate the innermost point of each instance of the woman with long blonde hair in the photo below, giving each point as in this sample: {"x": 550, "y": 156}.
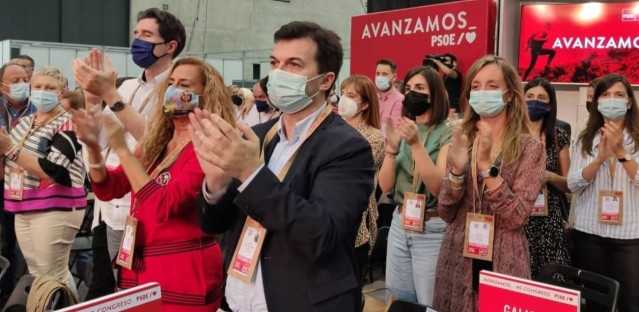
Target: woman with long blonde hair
{"x": 164, "y": 177}
{"x": 494, "y": 171}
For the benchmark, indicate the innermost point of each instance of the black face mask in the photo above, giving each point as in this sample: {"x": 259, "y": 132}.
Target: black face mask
{"x": 237, "y": 100}
{"x": 416, "y": 103}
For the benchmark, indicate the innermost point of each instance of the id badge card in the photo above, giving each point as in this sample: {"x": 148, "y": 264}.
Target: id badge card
{"x": 247, "y": 251}
{"x": 478, "y": 238}
{"x": 611, "y": 207}
{"x": 540, "y": 207}
{"x": 16, "y": 183}
{"x": 413, "y": 212}
{"x": 127, "y": 245}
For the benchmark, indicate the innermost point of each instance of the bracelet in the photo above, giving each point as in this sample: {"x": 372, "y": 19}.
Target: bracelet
{"x": 96, "y": 166}
{"x": 492, "y": 190}
{"x": 391, "y": 155}
{"x": 455, "y": 178}
{"x": 455, "y": 188}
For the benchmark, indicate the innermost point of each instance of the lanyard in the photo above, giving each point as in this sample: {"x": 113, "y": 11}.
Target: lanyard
{"x": 33, "y": 129}
{"x": 473, "y": 171}
{"x": 12, "y": 123}
{"x": 271, "y": 134}
{"x": 416, "y": 177}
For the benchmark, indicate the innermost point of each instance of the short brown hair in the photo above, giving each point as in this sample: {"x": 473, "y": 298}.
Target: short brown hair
{"x": 330, "y": 54}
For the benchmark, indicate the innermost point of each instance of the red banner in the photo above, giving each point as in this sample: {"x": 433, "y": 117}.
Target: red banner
{"x": 465, "y": 28}
{"x": 499, "y": 292}
{"x": 576, "y": 43}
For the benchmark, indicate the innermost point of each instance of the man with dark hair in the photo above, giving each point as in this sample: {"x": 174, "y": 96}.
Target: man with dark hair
{"x": 303, "y": 194}
{"x": 159, "y": 38}
{"x": 26, "y": 62}
{"x": 14, "y": 103}
{"x": 390, "y": 100}
{"x": 452, "y": 79}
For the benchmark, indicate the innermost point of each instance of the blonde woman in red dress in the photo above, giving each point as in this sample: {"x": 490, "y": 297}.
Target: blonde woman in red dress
{"x": 164, "y": 177}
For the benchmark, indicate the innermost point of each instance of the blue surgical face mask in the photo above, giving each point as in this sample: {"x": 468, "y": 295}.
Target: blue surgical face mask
{"x": 537, "y": 109}
{"x": 613, "y": 108}
{"x": 44, "y": 101}
{"x": 287, "y": 91}
{"x": 142, "y": 53}
{"x": 178, "y": 102}
{"x": 487, "y": 103}
{"x": 382, "y": 83}
{"x": 261, "y": 105}
{"x": 18, "y": 91}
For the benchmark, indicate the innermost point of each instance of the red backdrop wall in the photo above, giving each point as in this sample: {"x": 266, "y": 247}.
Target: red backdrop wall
{"x": 465, "y": 29}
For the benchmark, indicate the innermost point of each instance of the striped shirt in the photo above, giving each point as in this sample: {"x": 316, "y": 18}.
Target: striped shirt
{"x": 58, "y": 152}
{"x": 587, "y": 205}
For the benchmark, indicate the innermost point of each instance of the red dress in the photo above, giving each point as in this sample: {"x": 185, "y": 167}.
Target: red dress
{"x": 170, "y": 248}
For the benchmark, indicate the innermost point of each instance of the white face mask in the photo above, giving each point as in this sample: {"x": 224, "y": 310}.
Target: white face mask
{"x": 287, "y": 91}
{"x": 44, "y": 101}
{"x": 347, "y": 107}
{"x": 382, "y": 83}
{"x": 18, "y": 91}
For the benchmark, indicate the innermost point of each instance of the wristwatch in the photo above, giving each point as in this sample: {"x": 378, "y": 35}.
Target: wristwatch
{"x": 490, "y": 173}
{"x": 625, "y": 158}
{"x": 118, "y": 106}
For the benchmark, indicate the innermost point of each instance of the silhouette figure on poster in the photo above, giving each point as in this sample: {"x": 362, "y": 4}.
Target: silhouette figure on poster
{"x": 535, "y": 44}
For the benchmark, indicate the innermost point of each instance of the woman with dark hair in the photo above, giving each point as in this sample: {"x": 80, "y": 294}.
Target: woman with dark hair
{"x": 494, "y": 172}
{"x": 359, "y": 106}
{"x": 544, "y": 230}
{"x": 414, "y": 166}
{"x": 604, "y": 176}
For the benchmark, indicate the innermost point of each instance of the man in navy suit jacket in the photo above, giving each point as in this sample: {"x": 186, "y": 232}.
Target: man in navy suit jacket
{"x": 307, "y": 261}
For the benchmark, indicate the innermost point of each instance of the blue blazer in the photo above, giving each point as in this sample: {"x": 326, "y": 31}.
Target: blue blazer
{"x": 312, "y": 217}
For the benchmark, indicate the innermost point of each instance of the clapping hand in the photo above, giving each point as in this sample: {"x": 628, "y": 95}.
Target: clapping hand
{"x": 200, "y": 131}
{"x": 6, "y": 143}
{"x": 223, "y": 146}
{"x": 604, "y": 152}
{"x": 95, "y": 78}
{"x": 408, "y": 131}
{"x": 115, "y": 133}
{"x": 392, "y": 139}
{"x": 613, "y": 133}
{"x": 458, "y": 151}
{"x": 88, "y": 124}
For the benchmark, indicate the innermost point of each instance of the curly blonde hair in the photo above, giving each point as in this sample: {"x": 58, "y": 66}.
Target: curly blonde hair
{"x": 215, "y": 98}
{"x": 55, "y": 73}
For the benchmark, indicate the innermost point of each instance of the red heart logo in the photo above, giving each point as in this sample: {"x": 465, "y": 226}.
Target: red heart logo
{"x": 154, "y": 293}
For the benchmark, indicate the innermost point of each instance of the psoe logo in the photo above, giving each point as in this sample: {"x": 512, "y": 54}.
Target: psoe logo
{"x": 630, "y": 15}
